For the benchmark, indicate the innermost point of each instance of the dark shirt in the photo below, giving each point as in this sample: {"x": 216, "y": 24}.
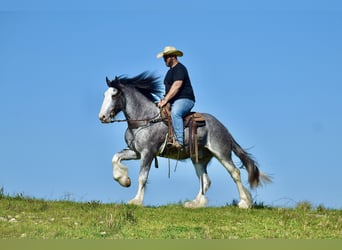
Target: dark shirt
{"x": 179, "y": 72}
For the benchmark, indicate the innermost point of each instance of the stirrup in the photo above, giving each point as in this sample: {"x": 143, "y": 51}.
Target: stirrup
{"x": 177, "y": 145}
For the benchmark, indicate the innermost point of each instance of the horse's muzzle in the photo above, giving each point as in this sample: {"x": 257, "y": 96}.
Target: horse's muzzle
{"x": 103, "y": 119}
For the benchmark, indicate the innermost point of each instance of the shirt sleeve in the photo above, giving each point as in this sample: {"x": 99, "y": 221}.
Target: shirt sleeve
{"x": 179, "y": 74}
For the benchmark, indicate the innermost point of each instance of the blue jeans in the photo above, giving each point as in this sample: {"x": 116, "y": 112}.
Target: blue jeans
{"x": 179, "y": 109}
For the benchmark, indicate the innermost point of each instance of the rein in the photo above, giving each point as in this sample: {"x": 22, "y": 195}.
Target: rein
{"x": 136, "y": 123}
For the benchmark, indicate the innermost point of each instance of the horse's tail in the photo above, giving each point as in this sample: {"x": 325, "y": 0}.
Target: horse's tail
{"x": 254, "y": 174}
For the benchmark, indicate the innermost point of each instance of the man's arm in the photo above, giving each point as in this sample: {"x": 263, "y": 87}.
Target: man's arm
{"x": 172, "y": 93}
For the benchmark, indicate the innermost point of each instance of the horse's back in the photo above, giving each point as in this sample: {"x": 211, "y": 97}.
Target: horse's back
{"x": 211, "y": 120}
{"x": 214, "y": 128}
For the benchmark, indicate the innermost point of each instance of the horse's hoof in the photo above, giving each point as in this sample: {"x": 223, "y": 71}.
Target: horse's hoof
{"x": 244, "y": 205}
{"x": 128, "y": 182}
{"x": 125, "y": 182}
{"x": 135, "y": 202}
{"x": 190, "y": 204}
{"x": 196, "y": 203}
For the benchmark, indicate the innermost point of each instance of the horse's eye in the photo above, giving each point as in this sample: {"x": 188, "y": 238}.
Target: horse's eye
{"x": 115, "y": 93}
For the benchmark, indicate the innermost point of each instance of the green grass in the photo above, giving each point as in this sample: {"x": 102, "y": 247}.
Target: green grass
{"x": 22, "y": 217}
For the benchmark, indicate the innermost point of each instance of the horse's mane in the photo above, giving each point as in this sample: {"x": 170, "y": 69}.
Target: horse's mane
{"x": 146, "y": 83}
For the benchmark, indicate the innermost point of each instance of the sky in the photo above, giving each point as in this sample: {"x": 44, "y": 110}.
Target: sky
{"x": 270, "y": 71}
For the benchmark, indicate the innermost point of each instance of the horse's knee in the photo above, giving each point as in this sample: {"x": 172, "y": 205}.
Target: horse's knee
{"x": 115, "y": 159}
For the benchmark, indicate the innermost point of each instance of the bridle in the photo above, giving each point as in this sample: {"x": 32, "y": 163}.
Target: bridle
{"x": 136, "y": 123}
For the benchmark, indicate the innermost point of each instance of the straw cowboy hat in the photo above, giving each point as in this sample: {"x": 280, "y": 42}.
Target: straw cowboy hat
{"x": 168, "y": 51}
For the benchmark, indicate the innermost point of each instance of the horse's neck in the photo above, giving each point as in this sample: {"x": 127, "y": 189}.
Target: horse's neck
{"x": 139, "y": 107}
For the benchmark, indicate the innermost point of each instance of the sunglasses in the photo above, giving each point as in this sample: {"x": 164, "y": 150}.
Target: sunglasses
{"x": 166, "y": 57}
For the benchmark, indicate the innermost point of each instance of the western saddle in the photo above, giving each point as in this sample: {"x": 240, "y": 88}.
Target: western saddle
{"x": 193, "y": 120}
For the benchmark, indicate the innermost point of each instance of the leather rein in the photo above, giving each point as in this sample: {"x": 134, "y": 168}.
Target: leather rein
{"x": 136, "y": 123}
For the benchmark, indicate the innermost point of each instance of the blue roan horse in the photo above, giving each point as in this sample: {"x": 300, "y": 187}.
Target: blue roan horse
{"x": 146, "y": 133}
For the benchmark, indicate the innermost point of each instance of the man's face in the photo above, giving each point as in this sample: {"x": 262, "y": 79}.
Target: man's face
{"x": 169, "y": 60}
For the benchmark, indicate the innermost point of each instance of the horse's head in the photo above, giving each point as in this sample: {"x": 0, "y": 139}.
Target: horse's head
{"x": 134, "y": 96}
{"x": 112, "y": 103}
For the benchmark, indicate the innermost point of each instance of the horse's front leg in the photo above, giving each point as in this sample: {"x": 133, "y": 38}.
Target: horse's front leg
{"x": 201, "y": 172}
{"x": 145, "y": 165}
{"x": 120, "y": 171}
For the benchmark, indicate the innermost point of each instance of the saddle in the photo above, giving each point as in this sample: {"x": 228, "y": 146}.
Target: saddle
{"x": 193, "y": 120}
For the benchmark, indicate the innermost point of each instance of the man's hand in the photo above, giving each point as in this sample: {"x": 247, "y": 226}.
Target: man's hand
{"x": 162, "y": 103}
{"x": 172, "y": 92}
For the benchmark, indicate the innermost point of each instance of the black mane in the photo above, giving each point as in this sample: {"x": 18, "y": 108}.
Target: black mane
{"x": 146, "y": 83}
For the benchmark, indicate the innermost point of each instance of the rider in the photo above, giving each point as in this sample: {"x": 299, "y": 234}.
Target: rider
{"x": 179, "y": 92}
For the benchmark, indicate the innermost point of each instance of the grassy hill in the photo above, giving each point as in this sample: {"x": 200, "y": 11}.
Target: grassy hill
{"x": 22, "y": 217}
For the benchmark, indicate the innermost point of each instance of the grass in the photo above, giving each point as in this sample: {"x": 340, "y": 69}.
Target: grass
{"x": 24, "y": 217}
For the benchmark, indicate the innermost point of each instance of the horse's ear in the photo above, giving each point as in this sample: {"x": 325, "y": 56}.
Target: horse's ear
{"x": 117, "y": 80}
{"x": 107, "y": 81}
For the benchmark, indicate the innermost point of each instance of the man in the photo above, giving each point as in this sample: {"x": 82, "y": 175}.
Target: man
{"x": 179, "y": 92}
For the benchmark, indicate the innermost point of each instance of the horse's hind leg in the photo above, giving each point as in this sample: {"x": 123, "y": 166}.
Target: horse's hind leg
{"x": 120, "y": 171}
{"x": 245, "y": 196}
{"x": 201, "y": 171}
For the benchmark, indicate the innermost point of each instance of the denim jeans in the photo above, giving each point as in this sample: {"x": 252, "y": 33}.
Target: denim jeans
{"x": 179, "y": 109}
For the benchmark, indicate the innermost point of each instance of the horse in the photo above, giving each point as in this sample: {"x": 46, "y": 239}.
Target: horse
{"x": 145, "y": 136}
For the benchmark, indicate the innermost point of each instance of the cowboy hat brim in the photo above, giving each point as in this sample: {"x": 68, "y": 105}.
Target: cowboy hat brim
{"x": 170, "y": 53}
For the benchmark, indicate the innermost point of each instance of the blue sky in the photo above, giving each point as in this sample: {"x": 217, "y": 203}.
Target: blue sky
{"x": 270, "y": 71}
